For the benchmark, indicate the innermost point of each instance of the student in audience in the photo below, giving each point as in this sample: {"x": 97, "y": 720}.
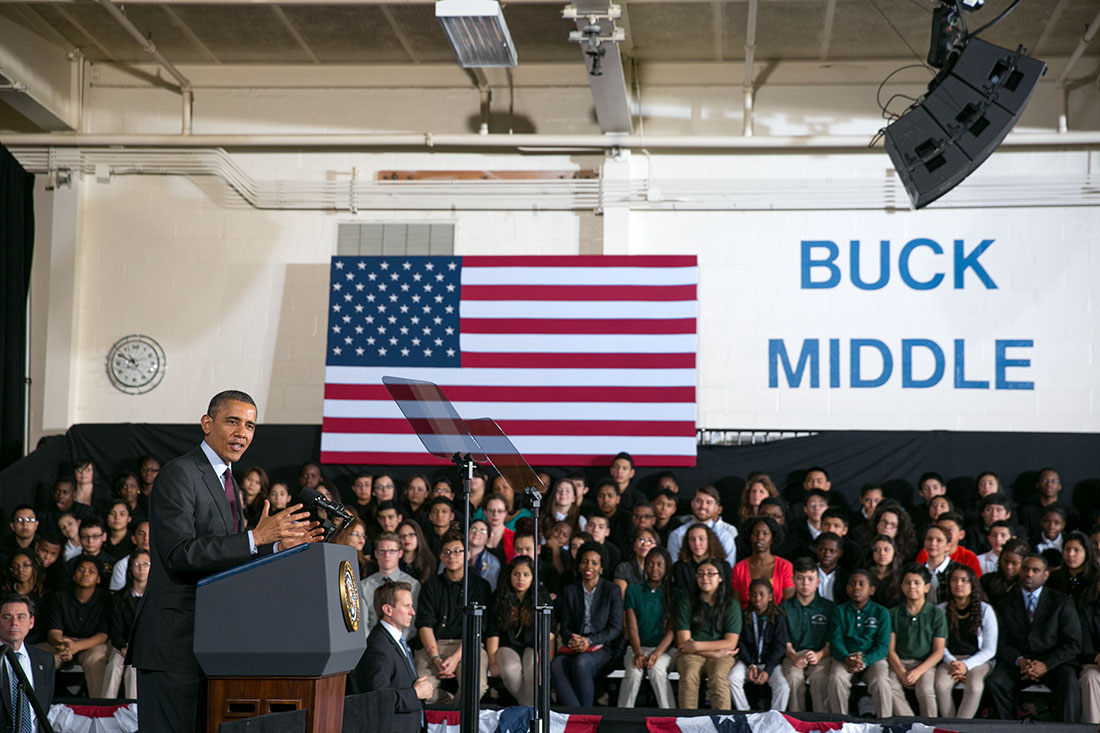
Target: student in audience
{"x": 118, "y": 543}
{"x": 622, "y": 473}
{"x": 891, "y": 519}
{"x": 859, "y": 639}
{"x": 1094, "y": 536}
{"x": 952, "y": 525}
{"x": 120, "y": 571}
{"x": 278, "y": 497}
{"x": 443, "y": 486}
{"x": 760, "y": 649}
{"x": 869, "y": 497}
{"x": 647, "y": 617}
{"x": 988, "y": 483}
{"x": 667, "y": 519}
{"x": 971, "y": 645}
{"x": 510, "y": 631}
{"x": 806, "y": 659}
{"x": 92, "y": 536}
{"x": 930, "y": 485}
{"x": 762, "y": 532}
{"x": 413, "y": 502}
{"x": 1007, "y": 578}
{"x": 832, "y": 576}
{"x": 416, "y": 559}
{"x": 758, "y": 487}
{"x": 708, "y": 625}
{"x": 387, "y": 553}
{"x": 90, "y": 488}
{"x": 936, "y": 561}
{"x": 76, "y": 624}
{"x": 917, "y": 641}
{"x": 835, "y": 520}
{"x": 999, "y": 533}
{"x": 439, "y": 621}
{"x": 932, "y": 511}
{"x": 24, "y": 526}
{"x": 706, "y": 508}
{"x": 618, "y": 521}
{"x": 1078, "y": 575}
{"x": 255, "y": 486}
{"x": 885, "y": 566}
{"x": 1048, "y": 489}
{"x": 632, "y": 570}
{"x": 1089, "y": 659}
{"x": 775, "y": 509}
{"x": 120, "y": 622}
{"x": 148, "y": 468}
{"x": 817, "y": 478}
{"x": 590, "y": 630}
{"x": 516, "y": 505}
{"x": 599, "y": 529}
{"x": 525, "y": 543}
{"x": 555, "y": 557}
{"x": 814, "y": 504}
{"x": 700, "y": 544}
{"x": 354, "y": 535}
{"x": 441, "y": 520}
{"x": 500, "y": 536}
{"x": 1038, "y": 642}
{"x": 25, "y": 577}
{"x": 642, "y": 516}
{"x": 1052, "y": 525}
{"x": 309, "y": 477}
{"x": 362, "y": 496}
{"x": 991, "y": 509}
{"x": 563, "y": 508}
{"x": 47, "y": 550}
{"x": 61, "y": 501}
{"x": 69, "y": 526}
{"x": 483, "y": 563}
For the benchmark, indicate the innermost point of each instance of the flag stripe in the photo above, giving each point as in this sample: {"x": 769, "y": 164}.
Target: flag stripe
{"x": 422, "y": 458}
{"x": 503, "y": 393}
{"x": 590, "y": 361}
{"x": 526, "y": 410}
{"x": 560, "y": 293}
{"x": 607, "y": 444}
{"x": 609, "y": 310}
{"x": 578, "y": 325}
{"x": 497, "y": 377}
{"x": 475, "y": 275}
{"x": 674, "y": 428}
{"x": 603, "y": 343}
{"x": 580, "y": 261}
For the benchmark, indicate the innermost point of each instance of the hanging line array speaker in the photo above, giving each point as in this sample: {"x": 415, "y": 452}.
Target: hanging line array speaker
{"x": 966, "y": 113}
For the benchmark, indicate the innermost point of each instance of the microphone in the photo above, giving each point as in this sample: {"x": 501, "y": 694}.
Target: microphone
{"x": 313, "y": 497}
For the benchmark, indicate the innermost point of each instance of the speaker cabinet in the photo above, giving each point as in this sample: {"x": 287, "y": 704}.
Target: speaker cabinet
{"x": 961, "y": 120}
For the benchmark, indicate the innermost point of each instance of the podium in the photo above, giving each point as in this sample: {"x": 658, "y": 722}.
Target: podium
{"x": 280, "y": 633}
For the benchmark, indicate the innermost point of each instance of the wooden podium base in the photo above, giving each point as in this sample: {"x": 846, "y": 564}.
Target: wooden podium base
{"x": 234, "y": 698}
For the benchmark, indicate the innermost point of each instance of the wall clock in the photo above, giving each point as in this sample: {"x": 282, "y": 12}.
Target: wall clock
{"x": 135, "y": 364}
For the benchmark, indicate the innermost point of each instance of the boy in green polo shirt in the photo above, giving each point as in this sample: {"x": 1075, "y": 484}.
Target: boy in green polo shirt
{"x": 807, "y": 643}
{"x": 916, "y": 644}
{"x": 859, "y": 639}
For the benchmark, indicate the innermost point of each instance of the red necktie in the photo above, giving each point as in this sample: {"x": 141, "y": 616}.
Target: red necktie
{"x": 231, "y": 495}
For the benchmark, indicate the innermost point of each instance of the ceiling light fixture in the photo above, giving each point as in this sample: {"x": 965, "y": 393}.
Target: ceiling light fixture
{"x": 477, "y": 32}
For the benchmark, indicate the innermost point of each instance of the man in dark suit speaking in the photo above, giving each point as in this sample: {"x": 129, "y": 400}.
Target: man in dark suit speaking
{"x": 197, "y": 528}
{"x": 388, "y": 662}
{"x": 16, "y": 621}
{"x": 1038, "y": 643}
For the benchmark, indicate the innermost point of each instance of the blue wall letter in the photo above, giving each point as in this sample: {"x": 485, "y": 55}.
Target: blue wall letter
{"x": 887, "y": 363}
{"x": 777, "y": 351}
{"x": 1004, "y": 363}
{"x": 883, "y": 266}
{"x": 970, "y": 262}
{"x": 960, "y": 369}
{"x": 907, "y": 381}
{"x": 809, "y": 263}
{"x": 903, "y": 264}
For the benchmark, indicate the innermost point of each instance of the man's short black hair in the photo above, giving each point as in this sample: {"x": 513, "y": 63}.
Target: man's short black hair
{"x": 452, "y": 535}
{"x": 820, "y": 469}
{"x": 915, "y": 568}
{"x": 624, "y": 456}
{"x": 1035, "y": 556}
{"x": 22, "y": 507}
{"x": 931, "y": 475}
{"x": 997, "y": 499}
{"x": 826, "y": 536}
{"x": 221, "y": 399}
{"x": 805, "y": 565}
{"x": 774, "y": 501}
{"x": 1056, "y": 508}
{"x": 668, "y": 494}
{"x": 666, "y": 474}
{"x": 92, "y": 522}
{"x": 440, "y": 500}
{"x": 868, "y": 488}
{"x": 606, "y": 481}
{"x": 954, "y": 517}
{"x": 387, "y": 504}
{"x": 82, "y": 559}
{"x": 593, "y": 546}
{"x": 1001, "y": 523}
{"x": 835, "y": 512}
{"x": 819, "y": 493}
{"x": 51, "y": 536}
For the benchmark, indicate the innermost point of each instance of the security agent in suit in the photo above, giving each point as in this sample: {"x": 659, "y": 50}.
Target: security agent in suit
{"x": 1040, "y": 650}
{"x": 196, "y": 532}
{"x": 16, "y": 621}
{"x": 388, "y": 663}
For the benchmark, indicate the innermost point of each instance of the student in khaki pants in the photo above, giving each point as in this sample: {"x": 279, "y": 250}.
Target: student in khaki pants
{"x": 807, "y": 657}
{"x": 916, "y": 644}
{"x": 859, "y": 641}
{"x": 708, "y": 624}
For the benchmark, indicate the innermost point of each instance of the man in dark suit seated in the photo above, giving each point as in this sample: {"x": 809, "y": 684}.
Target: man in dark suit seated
{"x": 388, "y": 662}
{"x": 16, "y": 621}
{"x": 1038, "y": 643}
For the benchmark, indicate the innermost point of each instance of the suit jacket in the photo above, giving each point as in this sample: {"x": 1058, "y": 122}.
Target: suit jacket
{"x": 607, "y": 614}
{"x": 1053, "y": 637}
{"x": 384, "y": 666}
{"x": 42, "y": 667}
{"x": 193, "y": 535}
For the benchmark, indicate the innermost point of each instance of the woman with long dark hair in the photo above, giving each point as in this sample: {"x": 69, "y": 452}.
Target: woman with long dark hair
{"x": 254, "y": 488}
{"x": 891, "y": 519}
{"x": 416, "y": 559}
{"x": 708, "y": 624}
{"x": 563, "y": 507}
{"x": 885, "y": 565}
{"x": 647, "y": 619}
{"x": 971, "y": 644}
{"x": 25, "y": 577}
{"x": 1078, "y": 574}
{"x": 700, "y": 543}
{"x": 120, "y": 622}
{"x": 510, "y": 630}
{"x": 354, "y": 535}
{"x": 1006, "y": 579}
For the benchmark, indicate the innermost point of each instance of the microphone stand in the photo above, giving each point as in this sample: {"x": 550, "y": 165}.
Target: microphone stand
{"x": 540, "y": 721}
{"x": 472, "y": 615}
{"x": 25, "y": 690}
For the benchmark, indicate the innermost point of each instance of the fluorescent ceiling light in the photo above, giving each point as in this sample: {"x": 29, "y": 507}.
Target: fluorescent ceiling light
{"x": 477, "y": 32}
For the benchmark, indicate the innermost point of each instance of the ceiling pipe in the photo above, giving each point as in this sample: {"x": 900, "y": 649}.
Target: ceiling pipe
{"x": 747, "y": 87}
{"x": 1062, "y": 82}
{"x": 186, "y": 92}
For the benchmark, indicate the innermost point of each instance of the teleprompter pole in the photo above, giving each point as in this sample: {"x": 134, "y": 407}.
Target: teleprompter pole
{"x": 540, "y": 721}
{"x": 472, "y": 615}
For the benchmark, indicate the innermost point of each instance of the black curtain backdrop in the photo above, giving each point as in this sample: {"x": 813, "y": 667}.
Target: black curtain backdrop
{"x": 892, "y": 459}
{"x": 16, "y": 247}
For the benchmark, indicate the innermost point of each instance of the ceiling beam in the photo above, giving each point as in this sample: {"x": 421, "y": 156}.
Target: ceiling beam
{"x": 1048, "y": 27}
{"x": 719, "y": 26}
{"x": 827, "y": 30}
{"x": 189, "y": 34}
{"x": 400, "y": 33}
{"x": 297, "y": 35}
{"x": 91, "y": 38}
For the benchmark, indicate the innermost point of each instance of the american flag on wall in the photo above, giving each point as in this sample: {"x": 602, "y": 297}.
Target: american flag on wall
{"x": 576, "y": 357}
